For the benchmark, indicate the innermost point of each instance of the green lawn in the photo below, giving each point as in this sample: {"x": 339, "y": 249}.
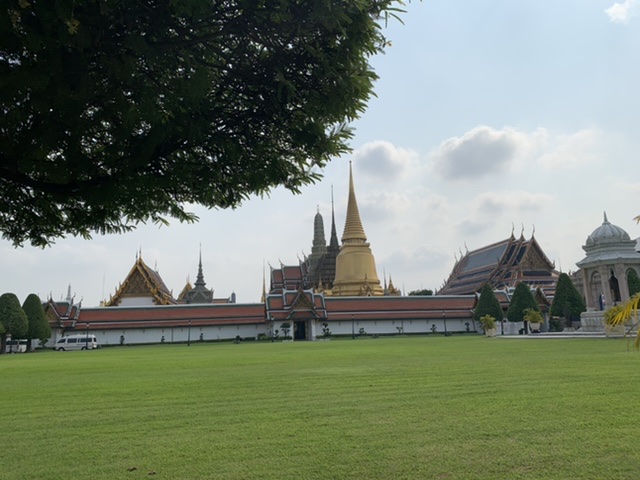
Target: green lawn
{"x": 463, "y": 407}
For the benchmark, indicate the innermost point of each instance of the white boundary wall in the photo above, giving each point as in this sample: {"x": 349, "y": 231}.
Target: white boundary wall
{"x": 195, "y": 334}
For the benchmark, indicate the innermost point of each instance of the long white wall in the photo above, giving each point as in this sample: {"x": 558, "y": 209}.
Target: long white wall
{"x": 390, "y": 327}
{"x": 171, "y": 335}
{"x": 229, "y": 332}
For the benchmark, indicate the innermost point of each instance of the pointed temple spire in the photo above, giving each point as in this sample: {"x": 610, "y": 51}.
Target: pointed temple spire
{"x": 200, "y": 293}
{"x": 353, "y": 230}
{"x": 319, "y": 240}
{"x": 263, "y": 298}
{"x": 355, "y": 265}
{"x": 333, "y": 242}
{"x": 200, "y": 277}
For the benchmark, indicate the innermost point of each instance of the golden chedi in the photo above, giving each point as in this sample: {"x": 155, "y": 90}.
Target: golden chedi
{"x": 355, "y": 265}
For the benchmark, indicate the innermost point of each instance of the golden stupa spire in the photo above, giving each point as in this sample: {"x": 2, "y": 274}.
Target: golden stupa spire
{"x": 353, "y": 229}
{"x": 263, "y": 298}
{"x": 355, "y": 266}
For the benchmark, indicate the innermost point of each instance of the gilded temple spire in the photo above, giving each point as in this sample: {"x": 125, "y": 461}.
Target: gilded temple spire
{"x": 355, "y": 265}
{"x": 353, "y": 230}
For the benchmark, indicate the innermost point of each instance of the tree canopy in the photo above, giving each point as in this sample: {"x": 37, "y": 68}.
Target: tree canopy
{"x": 633, "y": 281}
{"x": 12, "y": 316}
{"x": 488, "y": 304}
{"x": 114, "y": 113}
{"x": 567, "y": 301}
{"x": 39, "y": 328}
{"x": 422, "y": 291}
{"x": 521, "y": 299}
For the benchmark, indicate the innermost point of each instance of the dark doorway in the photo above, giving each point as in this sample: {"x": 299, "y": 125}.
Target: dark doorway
{"x": 615, "y": 288}
{"x": 300, "y": 330}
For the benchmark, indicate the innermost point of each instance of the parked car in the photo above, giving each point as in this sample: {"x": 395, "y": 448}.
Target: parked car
{"x": 19, "y": 345}
{"x": 76, "y": 342}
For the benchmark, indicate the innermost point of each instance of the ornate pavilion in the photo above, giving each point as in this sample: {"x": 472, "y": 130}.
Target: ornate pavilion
{"x": 604, "y": 271}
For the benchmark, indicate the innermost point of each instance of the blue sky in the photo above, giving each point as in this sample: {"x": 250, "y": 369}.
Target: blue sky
{"x": 489, "y": 116}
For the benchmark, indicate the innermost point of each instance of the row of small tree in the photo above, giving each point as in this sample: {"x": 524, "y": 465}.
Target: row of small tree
{"x": 24, "y": 322}
{"x": 567, "y": 303}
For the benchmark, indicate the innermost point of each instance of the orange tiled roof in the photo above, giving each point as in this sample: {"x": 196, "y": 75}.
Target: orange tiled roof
{"x": 410, "y": 307}
{"x": 171, "y": 316}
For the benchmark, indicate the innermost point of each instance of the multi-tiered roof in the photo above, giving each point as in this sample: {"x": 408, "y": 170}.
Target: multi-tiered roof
{"x": 502, "y": 265}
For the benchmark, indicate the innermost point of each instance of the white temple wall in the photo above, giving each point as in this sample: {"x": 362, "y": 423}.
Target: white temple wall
{"x": 136, "y": 302}
{"x": 394, "y": 327}
{"x": 138, "y": 336}
{"x": 171, "y": 335}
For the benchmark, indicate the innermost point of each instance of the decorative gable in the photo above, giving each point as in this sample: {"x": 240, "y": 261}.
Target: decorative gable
{"x": 143, "y": 286}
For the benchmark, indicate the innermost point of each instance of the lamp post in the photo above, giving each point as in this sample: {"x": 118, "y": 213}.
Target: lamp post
{"x": 189, "y": 335}
{"x": 444, "y": 319}
{"x": 353, "y": 329}
{"x": 87, "y": 340}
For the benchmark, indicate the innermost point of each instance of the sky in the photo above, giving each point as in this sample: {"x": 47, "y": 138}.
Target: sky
{"x": 490, "y": 118}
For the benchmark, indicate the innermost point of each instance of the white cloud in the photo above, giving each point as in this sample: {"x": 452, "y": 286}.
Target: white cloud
{"x": 482, "y": 151}
{"x": 487, "y": 209}
{"x": 629, "y": 187}
{"x": 384, "y": 205}
{"x": 518, "y": 201}
{"x": 412, "y": 268}
{"x": 569, "y": 151}
{"x": 381, "y": 159}
{"x": 621, "y": 12}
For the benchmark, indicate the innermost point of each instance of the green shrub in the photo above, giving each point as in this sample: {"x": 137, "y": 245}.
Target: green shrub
{"x": 487, "y": 322}
{"x": 521, "y": 300}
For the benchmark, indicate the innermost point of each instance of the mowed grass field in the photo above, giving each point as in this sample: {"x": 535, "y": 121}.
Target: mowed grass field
{"x": 463, "y": 407}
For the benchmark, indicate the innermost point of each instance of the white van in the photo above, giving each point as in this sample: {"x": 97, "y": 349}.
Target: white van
{"x": 76, "y": 342}
{"x": 19, "y": 345}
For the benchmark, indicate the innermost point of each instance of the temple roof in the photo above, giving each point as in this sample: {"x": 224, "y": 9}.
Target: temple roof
{"x": 199, "y": 293}
{"x": 295, "y": 304}
{"x": 142, "y": 281}
{"x": 182, "y": 297}
{"x": 289, "y": 277}
{"x": 171, "y": 316}
{"x": 399, "y": 308}
{"x": 501, "y": 265}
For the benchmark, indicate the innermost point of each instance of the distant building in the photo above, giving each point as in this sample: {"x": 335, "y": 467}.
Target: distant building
{"x": 355, "y": 264}
{"x": 335, "y": 291}
{"x": 337, "y": 270}
{"x": 502, "y": 265}
{"x": 142, "y": 286}
{"x": 610, "y": 256}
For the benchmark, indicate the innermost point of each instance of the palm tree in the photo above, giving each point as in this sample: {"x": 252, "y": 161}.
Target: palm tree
{"x": 628, "y": 311}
